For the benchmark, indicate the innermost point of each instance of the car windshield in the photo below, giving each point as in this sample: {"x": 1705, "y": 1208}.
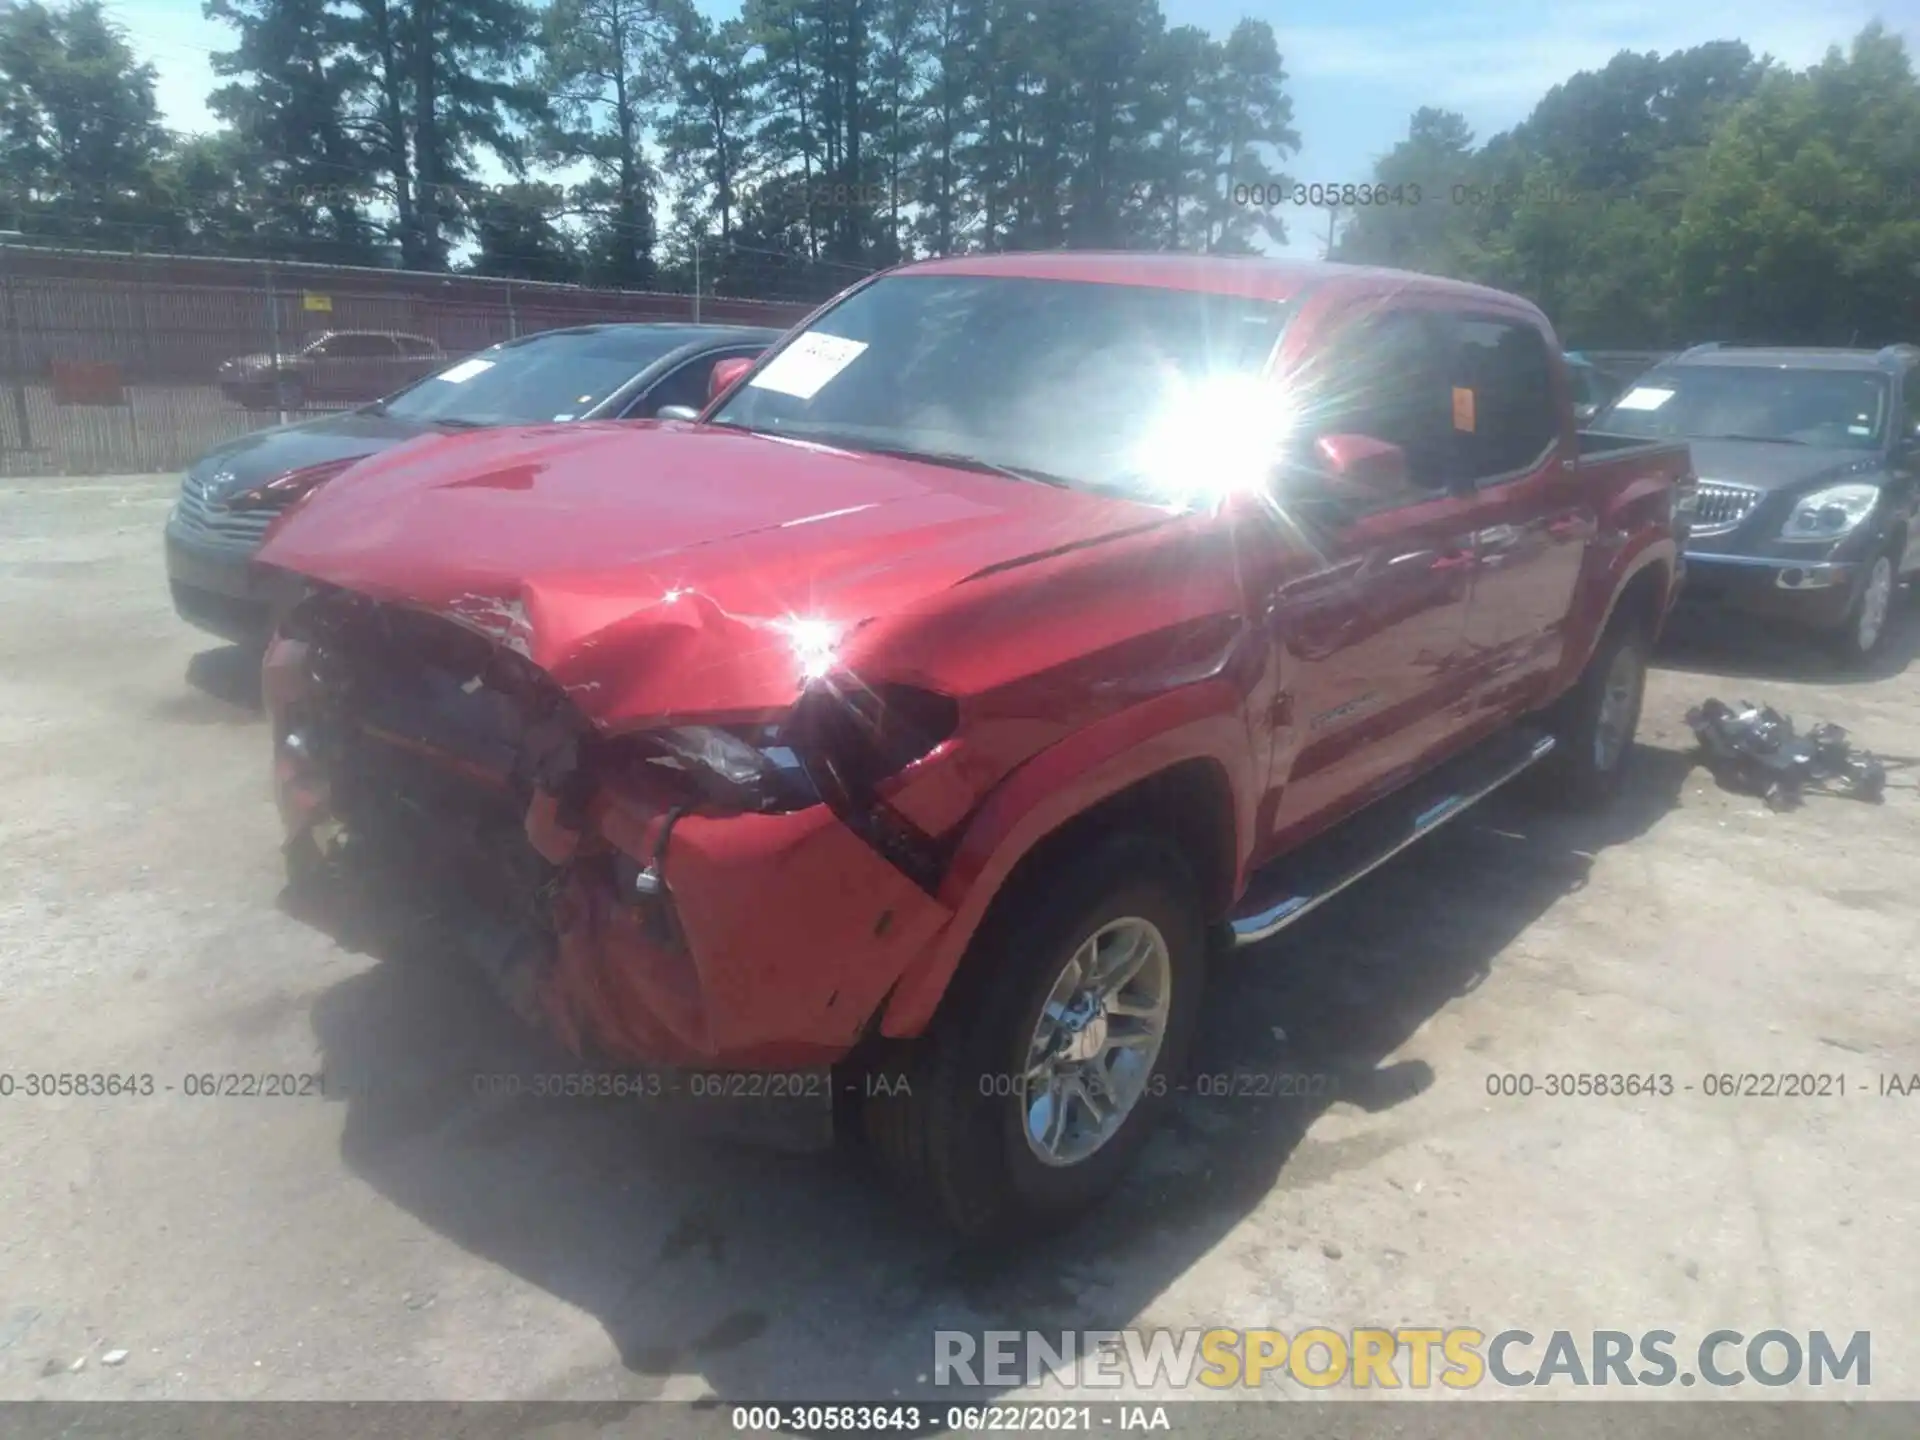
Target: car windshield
{"x": 1839, "y": 409}
{"x": 524, "y": 382}
{"x": 1067, "y": 381}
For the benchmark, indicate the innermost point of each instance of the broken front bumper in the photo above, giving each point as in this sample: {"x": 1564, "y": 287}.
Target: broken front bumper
{"x": 664, "y": 936}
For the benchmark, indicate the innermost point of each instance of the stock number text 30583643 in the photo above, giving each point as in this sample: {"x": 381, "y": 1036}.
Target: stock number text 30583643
{"x": 1318, "y": 196}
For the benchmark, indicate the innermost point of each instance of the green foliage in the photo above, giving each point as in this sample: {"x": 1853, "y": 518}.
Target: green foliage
{"x": 607, "y": 69}
{"x": 80, "y": 135}
{"x": 517, "y": 236}
{"x": 1654, "y": 201}
{"x": 290, "y": 157}
{"x": 1660, "y": 200}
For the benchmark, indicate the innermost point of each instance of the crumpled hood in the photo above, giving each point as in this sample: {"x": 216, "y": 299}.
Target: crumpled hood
{"x": 661, "y": 571}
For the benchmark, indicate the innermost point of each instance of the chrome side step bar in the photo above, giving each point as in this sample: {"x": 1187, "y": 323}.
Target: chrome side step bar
{"x": 1369, "y": 843}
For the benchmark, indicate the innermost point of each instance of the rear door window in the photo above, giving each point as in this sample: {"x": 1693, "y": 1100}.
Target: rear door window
{"x": 1505, "y": 420}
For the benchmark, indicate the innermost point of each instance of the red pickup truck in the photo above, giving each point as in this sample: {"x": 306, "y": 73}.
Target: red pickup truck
{"x": 1013, "y": 635}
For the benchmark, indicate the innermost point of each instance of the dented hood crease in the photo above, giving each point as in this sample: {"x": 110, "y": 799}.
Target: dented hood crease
{"x": 663, "y": 571}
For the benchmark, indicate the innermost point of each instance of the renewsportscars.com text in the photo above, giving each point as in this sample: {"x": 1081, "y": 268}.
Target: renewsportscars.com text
{"x": 1417, "y": 1358}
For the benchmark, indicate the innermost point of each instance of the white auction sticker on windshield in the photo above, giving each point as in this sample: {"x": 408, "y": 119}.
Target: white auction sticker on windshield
{"x": 1644, "y": 397}
{"x": 464, "y": 371}
{"x": 808, "y": 364}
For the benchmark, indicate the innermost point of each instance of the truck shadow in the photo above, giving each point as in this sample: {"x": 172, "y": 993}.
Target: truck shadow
{"x": 788, "y": 1275}
{"x": 229, "y": 673}
{"x": 1741, "y": 648}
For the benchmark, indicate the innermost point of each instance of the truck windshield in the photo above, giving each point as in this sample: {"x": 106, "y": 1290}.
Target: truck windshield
{"x": 1070, "y": 382}
{"x": 1838, "y": 409}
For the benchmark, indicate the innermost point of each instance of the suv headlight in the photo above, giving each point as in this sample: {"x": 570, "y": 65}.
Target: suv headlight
{"x": 1830, "y": 513}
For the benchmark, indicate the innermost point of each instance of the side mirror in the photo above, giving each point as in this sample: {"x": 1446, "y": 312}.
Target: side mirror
{"x": 676, "y": 412}
{"x": 725, "y": 372}
{"x": 1585, "y": 411}
{"x": 1360, "y": 465}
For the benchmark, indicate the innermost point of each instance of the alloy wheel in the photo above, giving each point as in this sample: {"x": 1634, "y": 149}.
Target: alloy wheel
{"x": 1099, "y": 1034}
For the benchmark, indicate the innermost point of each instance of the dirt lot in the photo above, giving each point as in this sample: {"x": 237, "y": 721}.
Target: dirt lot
{"x": 422, "y": 1241}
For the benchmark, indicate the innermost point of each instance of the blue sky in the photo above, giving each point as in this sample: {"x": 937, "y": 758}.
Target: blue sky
{"x": 1358, "y": 69}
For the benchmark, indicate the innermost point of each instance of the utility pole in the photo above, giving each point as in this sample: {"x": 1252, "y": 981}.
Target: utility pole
{"x": 16, "y": 358}
{"x": 696, "y": 275}
{"x": 273, "y": 332}
{"x": 1333, "y": 211}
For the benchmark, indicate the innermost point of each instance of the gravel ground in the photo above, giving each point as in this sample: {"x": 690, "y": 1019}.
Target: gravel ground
{"x": 416, "y": 1240}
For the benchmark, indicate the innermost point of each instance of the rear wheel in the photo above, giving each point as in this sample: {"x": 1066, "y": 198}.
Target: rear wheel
{"x": 1057, "y": 1048}
{"x": 1595, "y": 723}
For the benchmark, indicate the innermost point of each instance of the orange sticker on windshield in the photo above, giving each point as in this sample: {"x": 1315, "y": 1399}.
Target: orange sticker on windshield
{"x": 1462, "y": 409}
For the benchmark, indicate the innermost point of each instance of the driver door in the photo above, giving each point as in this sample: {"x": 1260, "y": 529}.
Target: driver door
{"x": 1368, "y": 616}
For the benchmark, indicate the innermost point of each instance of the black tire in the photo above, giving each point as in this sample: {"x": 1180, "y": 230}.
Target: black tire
{"x": 938, "y": 1117}
{"x": 1851, "y": 639}
{"x": 1582, "y": 771}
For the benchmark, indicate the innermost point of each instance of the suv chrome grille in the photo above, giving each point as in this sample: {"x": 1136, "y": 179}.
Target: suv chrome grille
{"x": 1719, "y": 506}
{"x": 200, "y": 513}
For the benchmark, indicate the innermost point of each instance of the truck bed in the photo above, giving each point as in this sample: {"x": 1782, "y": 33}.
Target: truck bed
{"x": 1600, "y": 445}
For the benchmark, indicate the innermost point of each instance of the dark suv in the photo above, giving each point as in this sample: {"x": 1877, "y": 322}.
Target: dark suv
{"x": 1808, "y": 462}
{"x": 341, "y": 365}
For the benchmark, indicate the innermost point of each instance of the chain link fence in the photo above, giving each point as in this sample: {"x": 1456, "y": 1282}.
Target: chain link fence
{"x": 114, "y": 364}
{"x": 125, "y": 363}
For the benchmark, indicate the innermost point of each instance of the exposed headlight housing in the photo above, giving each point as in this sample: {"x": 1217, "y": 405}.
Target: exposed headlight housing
{"x": 836, "y": 747}
{"x": 1830, "y": 513}
{"x": 741, "y": 769}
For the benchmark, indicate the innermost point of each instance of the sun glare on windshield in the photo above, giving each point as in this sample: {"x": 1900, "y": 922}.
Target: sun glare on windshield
{"x": 1213, "y": 439}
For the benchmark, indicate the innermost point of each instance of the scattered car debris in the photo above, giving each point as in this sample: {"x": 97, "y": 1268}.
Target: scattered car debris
{"x": 1754, "y": 749}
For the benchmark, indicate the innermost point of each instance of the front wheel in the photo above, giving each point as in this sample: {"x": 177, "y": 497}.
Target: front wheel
{"x": 1863, "y": 636}
{"x": 1595, "y": 723}
{"x": 1058, "y": 1046}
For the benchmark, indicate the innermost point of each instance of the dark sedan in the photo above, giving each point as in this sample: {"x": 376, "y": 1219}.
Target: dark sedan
{"x": 1809, "y": 467}
{"x": 593, "y": 372}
